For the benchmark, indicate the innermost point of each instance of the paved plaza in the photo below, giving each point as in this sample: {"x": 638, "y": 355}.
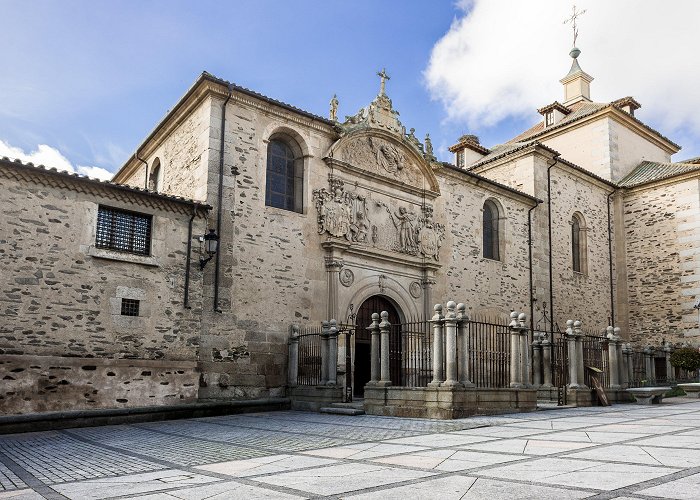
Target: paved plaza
{"x": 625, "y": 451}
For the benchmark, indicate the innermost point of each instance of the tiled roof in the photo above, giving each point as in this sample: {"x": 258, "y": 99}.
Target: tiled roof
{"x": 650, "y": 171}
{"x": 581, "y": 110}
{"x": 30, "y": 167}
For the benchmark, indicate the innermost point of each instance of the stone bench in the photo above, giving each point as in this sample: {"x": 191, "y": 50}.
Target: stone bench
{"x": 692, "y": 390}
{"x": 648, "y": 395}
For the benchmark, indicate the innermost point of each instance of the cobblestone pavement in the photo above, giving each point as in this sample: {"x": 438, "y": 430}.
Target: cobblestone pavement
{"x": 625, "y": 451}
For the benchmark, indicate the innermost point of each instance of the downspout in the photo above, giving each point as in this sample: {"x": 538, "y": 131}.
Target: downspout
{"x": 220, "y": 196}
{"x": 610, "y": 261}
{"x": 549, "y": 223}
{"x": 145, "y": 164}
{"x": 529, "y": 256}
{"x": 189, "y": 259}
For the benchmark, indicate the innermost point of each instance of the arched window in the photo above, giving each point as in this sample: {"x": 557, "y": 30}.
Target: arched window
{"x": 490, "y": 230}
{"x": 285, "y": 175}
{"x": 154, "y": 177}
{"x": 578, "y": 243}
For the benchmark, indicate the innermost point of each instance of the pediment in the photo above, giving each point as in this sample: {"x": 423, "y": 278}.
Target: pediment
{"x": 384, "y": 156}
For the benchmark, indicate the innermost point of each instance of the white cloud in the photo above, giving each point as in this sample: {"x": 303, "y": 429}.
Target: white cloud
{"x": 503, "y": 59}
{"x": 51, "y": 158}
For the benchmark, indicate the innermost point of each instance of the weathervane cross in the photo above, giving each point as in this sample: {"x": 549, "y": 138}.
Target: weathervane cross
{"x": 383, "y": 78}
{"x": 575, "y": 15}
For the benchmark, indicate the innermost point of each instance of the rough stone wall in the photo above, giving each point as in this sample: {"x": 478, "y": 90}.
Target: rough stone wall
{"x": 61, "y": 297}
{"x": 489, "y": 288}
{"x": 662, "y": 230}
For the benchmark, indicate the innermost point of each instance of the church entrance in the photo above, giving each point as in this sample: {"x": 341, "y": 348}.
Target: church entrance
{"x": 362, "y": 367}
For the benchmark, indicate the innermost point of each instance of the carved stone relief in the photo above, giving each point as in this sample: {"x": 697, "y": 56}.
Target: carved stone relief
{"x": 347, "y": 277}
{"x": 380, "y": 156}
{"x": 415, "y": 289}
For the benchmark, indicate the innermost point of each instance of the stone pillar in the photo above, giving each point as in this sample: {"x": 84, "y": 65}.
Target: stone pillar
{"x": 437, "y": 322}
{"x": 333, "y": 267}
{"x": 427, "y": 283}
{"x": 451, "y": 375}
{"x": 293, "y": 368}
{"x": 649, "y": 365}
{"x": 624, "y": 371}
{"x": 384, "y": 326}
{"x": 579, "y": 355}
{"x": 375, "y": 361}
{"x": 515, "y": 359}
{"x": 525, "y": 362}
{"x": 573, "y": 355}
{"x": 463, "y": 346}
{"x": 630, "y": 365}
{"x": 670, "y": 373}
{"x": 536, "y": 361}
{"x": 332, "y": 353}
{"x": 546, "y": 360}
{"x": 325, "y": 327}
{"x": 614, "y": 358}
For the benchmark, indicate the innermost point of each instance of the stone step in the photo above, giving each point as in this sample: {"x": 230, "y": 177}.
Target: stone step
{"x": 357, "y": 405}
{"x": 342, "y": 411}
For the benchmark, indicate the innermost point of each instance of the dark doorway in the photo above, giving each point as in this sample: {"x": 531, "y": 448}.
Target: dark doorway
{"x": 374, "y": 304}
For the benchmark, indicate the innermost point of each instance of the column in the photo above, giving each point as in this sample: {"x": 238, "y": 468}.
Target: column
{"x": 670, "y": 372}
{"x": 463, "y": 346}
{"x": 525, "y": 364}
{"x": 325, "y": 327}
{"x": 536, "y": 361}
{"x": 649, "y": 365}
{"x": 428, "y": 283}
{"x": 293, "y": 368}
{"x": 546, "y": 360}
{"x": 579, "y": 354}
{"x": 375, "y": 361}
{"x": 332, "y": 353}
{"x": 451, "y": 375}
{"x": 630, "y": 365}
{"x": 437, "y": 322}
{"x": 515, "y": 370}
{"x": 384, "y": 326}
{"x": 573, "y": 357}
{"x": 624, "y": 370}
{"x": 613, "y": 358}
{"x": 333, "y": 267}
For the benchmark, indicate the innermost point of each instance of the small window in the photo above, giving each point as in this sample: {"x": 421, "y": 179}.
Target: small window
{"x": 578, "y": 244}
{"x": 123, "y": 231}
{"x": 460, "y": 158}
{"x": 285, "y": 177}
{"x": 549, "y": 118}
{"x": 490, "y": 230}
{"x": 154, "y": 178}
{"x": 130, "y": 307}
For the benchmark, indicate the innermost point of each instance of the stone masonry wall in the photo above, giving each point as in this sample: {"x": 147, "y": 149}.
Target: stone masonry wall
{"x": 662, "y": 229}
{"x": 61, "y": 297}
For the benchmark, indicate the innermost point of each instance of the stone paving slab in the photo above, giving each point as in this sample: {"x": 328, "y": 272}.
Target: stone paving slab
{"x": 623, "y": 451}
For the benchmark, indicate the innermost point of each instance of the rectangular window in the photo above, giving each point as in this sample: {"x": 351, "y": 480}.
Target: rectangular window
{"x": 550, "y": 118}
{"x": 460, "y": 158}
{"x": 123, "y": 231}
{"x": 130, "y": 307}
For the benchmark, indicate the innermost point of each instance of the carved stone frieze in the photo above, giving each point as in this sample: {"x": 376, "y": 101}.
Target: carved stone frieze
{"x": 380, "y": 156}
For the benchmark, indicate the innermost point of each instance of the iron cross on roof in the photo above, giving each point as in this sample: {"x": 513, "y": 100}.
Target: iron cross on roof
{"x": 575, "y": 15}
{"x": 382, "y": 82}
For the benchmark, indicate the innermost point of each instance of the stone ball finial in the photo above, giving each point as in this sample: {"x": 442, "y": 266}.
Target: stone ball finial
{"x": 333, "y": 323}
{"x": 385, "y": 316}
{"x": 577, "y": 324}
{"x": 522, "y": 317}
{"x": 325, "y": 323}
{"x": 513, "y": 315}
{"x": 375, "y": 316}
{"x": 461, "y": 308}
{"x": 574, "y": 53}
{"x": 617, "y": 331}
{"x": 438, "y": 308}
{"x": 451, "y": 305}
{"x": 610, "y": 330}
{"x": 569, "y": 323}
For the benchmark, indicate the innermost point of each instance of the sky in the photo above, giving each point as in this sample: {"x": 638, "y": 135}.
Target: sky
{"x": 82, "y": 82}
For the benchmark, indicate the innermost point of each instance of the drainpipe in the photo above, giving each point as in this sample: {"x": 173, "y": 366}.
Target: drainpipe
{"x": 220, "y": 196}
{"x": 189, "y": 259}
{"x": 145, "y": 164}
{"x": 549, "y": 217}
{"x": 612, "y": 300}
{"x": 529, "y": 256}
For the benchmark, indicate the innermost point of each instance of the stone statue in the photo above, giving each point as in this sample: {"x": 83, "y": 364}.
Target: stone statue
{"x": 403, "y": 221}
{"x": 333, "y": 115}
{"x": 429, "y": 146}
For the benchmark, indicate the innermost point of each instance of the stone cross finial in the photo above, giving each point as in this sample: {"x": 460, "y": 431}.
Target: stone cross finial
{"x": 574, "y": 16}
{"x": 382, "y": 82}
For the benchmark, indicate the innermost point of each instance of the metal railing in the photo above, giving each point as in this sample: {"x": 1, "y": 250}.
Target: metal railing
{"x": 309, "y": 372}
{"x": 488, "y": 354}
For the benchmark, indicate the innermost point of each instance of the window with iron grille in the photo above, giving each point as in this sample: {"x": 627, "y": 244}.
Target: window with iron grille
{"x": 123, "y": 231}
{"x": 130, "y": 307}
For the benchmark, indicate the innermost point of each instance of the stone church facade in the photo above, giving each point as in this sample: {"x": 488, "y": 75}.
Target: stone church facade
{"x": 583, "y": 216}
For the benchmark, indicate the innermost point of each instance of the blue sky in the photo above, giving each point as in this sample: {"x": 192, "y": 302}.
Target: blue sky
{"x": 91, "y": 79}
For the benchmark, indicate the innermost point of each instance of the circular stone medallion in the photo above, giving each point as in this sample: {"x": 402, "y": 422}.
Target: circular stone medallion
{"x": 347, "y": 277}
{"x": 415, "y": 289}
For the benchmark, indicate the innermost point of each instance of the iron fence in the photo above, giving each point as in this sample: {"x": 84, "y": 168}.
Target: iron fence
{"x": 488, "y": 346}
{"x": 309, "y": 368}
{"x": 595, "y": 355}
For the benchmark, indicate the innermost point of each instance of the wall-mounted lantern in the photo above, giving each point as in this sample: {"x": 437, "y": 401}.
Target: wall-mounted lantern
{"x": 211, "y": 245}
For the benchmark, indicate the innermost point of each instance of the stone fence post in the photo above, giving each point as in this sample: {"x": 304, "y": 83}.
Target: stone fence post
{"x": 579, "y": 355}
{"x": 630, "y": 365}
{"x": 375, "y": 357}
{"x": 624, "y": 370}
{"x": 325, "y": 327}
{"x": 463, "y": 346}
{"x": 437, "y": 321}
{"x": 573, "y": 355}
{"x": 649, "y": 368}
{"x": 525, "y": 364}
{"x": 614, "y": 357}
{"x": 451, "y": 375}
{"x": 332, "y": 353}
{"x": 293, "y": 368}
{"x": 670, "y": 372}
{"x": 547, "y": 360}
{"x": 516, "y": 372}
{"x": 384, "y": 326}
{"x": 536, "y": 360}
